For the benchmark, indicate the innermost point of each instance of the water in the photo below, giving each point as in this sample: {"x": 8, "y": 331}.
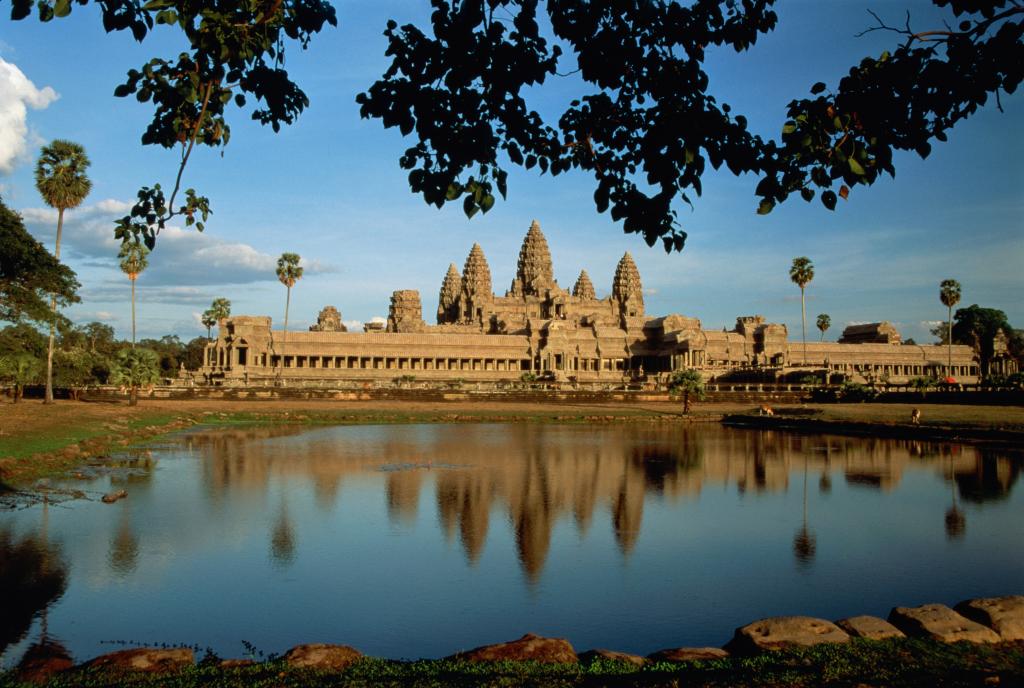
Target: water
{"x": 420, "y": 540}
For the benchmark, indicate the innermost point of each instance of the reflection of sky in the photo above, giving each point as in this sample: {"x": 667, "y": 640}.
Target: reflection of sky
{"x": 629, "y": 537}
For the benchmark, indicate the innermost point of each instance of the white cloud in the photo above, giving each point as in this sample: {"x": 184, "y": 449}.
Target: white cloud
{"x": 353, "y": 325}
{"x": 17, "y": 94}
{"x": 378, "y": 319}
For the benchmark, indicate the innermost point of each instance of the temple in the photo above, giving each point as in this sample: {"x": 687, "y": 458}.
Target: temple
{"x": 538, "y": 330}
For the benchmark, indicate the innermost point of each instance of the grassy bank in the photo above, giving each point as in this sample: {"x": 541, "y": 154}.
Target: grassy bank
{"x": 860, "y": 663}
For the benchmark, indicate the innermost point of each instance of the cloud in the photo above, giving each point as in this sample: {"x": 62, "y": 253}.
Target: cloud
{"x": 17, "y": 94}
{"x": 182, "y": 257}
{"x": 353, "y": 325}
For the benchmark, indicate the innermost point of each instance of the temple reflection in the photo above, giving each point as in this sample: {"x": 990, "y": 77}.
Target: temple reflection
{"x": 538, "y": 478}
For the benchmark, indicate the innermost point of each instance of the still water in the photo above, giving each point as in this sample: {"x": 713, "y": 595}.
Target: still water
{"x": 420, "y": 540}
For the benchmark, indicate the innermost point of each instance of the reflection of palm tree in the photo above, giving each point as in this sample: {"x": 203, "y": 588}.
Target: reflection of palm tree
{"x": 282, "y": 539}
{"x": 805, "y": 544}
{"x": 124, "y": 546}
{"x": 956, "y": 522}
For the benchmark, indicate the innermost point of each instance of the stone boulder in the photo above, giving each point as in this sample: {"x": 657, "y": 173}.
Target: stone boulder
{"x": 529, "y": 648}
{"x": 148, "y": 659}
{"x": 939, "y": 622}
{"x": 781, "y": 632}
{"x": 322, "y": 656}
{"x": 1004, "y": 615}
{"x": 612, "y": 656}
{"x": 870, "y": 627}
{"x": 687, "y": 654}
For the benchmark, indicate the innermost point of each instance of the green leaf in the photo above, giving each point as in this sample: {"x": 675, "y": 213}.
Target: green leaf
{"x": 788, "y": 128}
{"x": 487, "y": 202}
{"x": 828, "y": 198}
{"x": 855, "y": 166}
{"x": 818, "y": 88}
{"x": 765, "y": 207}
{"x": 62, "y": 8}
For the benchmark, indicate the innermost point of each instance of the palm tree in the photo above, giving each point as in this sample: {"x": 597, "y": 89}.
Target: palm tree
{"x": 824, "y": 322}
{"x": 218, "y": 310}
{"x": 61, "y": 180}
{"x": 288, "y": 272}
{"x": 802, "y": 272}
{"x": 949, "y": 293}
{"x": 133, "y": 261}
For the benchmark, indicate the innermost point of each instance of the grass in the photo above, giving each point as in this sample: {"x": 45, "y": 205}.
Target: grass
{"x": 896, "y": 663}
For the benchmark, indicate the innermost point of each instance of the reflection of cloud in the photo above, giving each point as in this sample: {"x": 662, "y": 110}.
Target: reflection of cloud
{"x": 17, "y": 93}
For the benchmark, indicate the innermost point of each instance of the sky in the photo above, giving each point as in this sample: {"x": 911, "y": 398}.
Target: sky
{"x": 330, "y": 189}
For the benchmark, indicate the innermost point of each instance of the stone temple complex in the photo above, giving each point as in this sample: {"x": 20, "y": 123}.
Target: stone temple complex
{"x": 538, "y": 329}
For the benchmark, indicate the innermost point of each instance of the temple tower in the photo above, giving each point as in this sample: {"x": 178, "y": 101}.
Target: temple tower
{"x": 406, "y": 312}
{"x": 584, "y": 288}
{"x": 448, "y": 301}
{"x": 476, "y": 285}
{"x": 626, "y": 287}
{"x": 534, "y": 274}
{"x": 329, "y": 320}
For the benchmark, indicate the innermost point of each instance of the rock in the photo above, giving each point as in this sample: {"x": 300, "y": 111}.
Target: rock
{"x": 42, "y": 661}
{"x": 529, "y": 648}
{"x": 71, "y": 451}
{"x": 939, "y": 622}
{"x": 147, "y": 659}
{"x": 612, "y": 656}
{"x": 870, "y": 627}
{"x": 687, "y": 654}
{"x": 112, "y": 497}
{"x": 1004, "y": 615}
{"x": 780, "y": 632}
{"x": 322, "y": 656}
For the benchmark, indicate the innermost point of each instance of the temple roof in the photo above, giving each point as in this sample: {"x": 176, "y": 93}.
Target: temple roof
{"x": 584, "y": 288}
{"x": 450, "y": 286}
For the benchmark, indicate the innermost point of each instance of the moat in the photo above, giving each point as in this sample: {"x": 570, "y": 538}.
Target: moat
{"x": 428, "y": 539}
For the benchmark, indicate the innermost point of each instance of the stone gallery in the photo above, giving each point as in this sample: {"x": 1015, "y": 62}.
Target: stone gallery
{"x": 540, "y": 329}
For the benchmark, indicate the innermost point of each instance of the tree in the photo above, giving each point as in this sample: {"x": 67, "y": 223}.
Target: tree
{"x": 802, "y": 272}
{"x": 29, "y": 274}
{"x": 63, "y": 184}
{"x": 288, "y": 272}
{"x": 689, "y": 383}
{"x": 133, "y": 262}
{"x": 218, "y": 310}
{"x": 949, "y": 294}
{"x": 135, "y": 368}
{"x": 647, "y": 130}
{"x": 824, "y": 322}
{"x": 977, "y": 327}
{"x": 20, "y": 369}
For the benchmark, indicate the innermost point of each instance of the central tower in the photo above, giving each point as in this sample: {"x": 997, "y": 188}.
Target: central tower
{"x": 534, "y": 274}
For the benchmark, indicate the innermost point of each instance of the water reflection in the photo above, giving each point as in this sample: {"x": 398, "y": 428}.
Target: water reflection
{"x": 537, "y": 478}
{"x": 32, "y": 577}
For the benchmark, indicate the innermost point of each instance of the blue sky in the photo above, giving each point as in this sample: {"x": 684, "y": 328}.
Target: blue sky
{"x": 329, "y": 188}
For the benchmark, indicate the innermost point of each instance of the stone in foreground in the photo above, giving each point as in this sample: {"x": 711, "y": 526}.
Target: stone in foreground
{"x": 612, "y": 656}
{"x": 148, "y": 659}
{"x": 529, "y": 648}
{"x": 870, "y": 627}
{"x": 687, "y": 654}
{"x": 781, "y": 632}
{"x": 322, "y": 656}
{"x": 1004, "y": 615}
{"x": 939, "y": 622}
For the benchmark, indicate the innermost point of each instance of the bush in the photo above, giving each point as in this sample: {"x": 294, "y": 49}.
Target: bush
{"x": 854, "y": 392}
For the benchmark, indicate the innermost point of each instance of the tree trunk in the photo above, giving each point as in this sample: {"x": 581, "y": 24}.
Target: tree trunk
{"x": 48, "y": 398}
{"x": 803, "y": 322}
{"x": 133, "y": 311}
{"x": 133, "y": 396}
{"x": 686, "y": 402}
{"x": 284, "y": 338}
{"x": 17, "y": 393}
{"x": 949, "y": 342}
{"x": 208, "y": 340}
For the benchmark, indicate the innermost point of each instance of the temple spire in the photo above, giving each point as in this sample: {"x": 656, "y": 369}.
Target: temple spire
{"x": 447, "y": 302}
{"x": 626, "y": 287}
{"x": 584, "y": 288}
{"x": 476, "y": 275}
{"x": 534, "y": 274}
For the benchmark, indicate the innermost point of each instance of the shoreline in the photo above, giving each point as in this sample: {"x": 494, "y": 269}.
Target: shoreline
{"x": 38, "y": 442}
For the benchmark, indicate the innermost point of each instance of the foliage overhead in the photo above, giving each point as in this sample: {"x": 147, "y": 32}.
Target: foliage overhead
{"x": 648, "y": 124}
{"x": 29, "y": 274}
{"x": 236, "y": 51}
